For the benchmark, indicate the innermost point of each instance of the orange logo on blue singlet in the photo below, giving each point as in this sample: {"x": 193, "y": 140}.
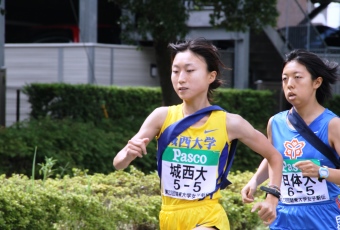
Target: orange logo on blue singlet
{"x": 293, "y": 148}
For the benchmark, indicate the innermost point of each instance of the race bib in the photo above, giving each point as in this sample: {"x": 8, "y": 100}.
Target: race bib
{"x": 187, "y": 173}
{"x": 298, "y": 189}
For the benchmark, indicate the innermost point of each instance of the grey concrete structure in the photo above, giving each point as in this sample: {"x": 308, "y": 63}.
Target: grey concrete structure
{"x": 2, "y": 67}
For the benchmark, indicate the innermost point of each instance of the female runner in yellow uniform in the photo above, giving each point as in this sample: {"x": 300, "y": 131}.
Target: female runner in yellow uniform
{"x": 192, "y": 161}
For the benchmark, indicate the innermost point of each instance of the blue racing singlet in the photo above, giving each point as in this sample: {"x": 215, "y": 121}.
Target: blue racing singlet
{"x": 306, "y": 203}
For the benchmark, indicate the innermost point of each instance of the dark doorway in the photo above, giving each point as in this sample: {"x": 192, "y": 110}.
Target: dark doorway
{"x": 56, "y": 21}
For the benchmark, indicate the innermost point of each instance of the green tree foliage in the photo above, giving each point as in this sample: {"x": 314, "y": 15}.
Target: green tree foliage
{"x": 162, "y": 22}
{"x": 165, "y": 21}
{"x": 240, "y": 15}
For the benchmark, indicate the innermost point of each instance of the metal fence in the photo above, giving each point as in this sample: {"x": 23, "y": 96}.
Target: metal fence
{"x": 72, "y": 64}
{"x": 2, "y": 96}
{"x": 68, "y": 63}
{"x": 18, "y": 107}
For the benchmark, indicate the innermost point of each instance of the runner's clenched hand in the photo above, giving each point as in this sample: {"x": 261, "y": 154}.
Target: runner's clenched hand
{"x": 136, "y": 147}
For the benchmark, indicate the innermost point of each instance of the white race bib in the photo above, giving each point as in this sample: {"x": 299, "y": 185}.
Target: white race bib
{"x": 187, "y": 173}
{"x": 298, "y": 189}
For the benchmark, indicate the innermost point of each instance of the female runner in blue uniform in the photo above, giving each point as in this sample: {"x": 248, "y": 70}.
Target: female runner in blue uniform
{"x": 309, "y": 187}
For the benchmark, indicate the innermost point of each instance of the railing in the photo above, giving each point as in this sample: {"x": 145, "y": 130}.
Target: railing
{"x": 73, "y": 64}
{"x": 17, "y": 106}
{"x": 2, "y": 96}
{"x": 118, "y": 65}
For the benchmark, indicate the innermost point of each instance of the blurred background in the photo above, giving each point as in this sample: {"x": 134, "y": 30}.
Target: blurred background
{"x": 85, "y": 42}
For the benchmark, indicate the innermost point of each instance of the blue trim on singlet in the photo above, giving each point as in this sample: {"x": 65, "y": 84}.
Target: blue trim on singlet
{"x": 228, "y": 160}
{"x": 172, "y": 131}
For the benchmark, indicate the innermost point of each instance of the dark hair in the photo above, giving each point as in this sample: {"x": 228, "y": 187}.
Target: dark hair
{"x": 208, "y": 51}
{"x": 317, "y": 67}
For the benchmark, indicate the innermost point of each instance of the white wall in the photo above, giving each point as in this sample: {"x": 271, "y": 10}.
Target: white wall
{"x": 73, "y": 64}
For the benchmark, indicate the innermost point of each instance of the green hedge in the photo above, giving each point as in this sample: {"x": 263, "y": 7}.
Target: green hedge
{"x": 128, "y": 107}
{"x": 72, "y": 143}
{"x": 119, "y": 200}
{"x": 68, "y": 123}
{"x": 86, "y": 102}
{"x": 334, "y": 104}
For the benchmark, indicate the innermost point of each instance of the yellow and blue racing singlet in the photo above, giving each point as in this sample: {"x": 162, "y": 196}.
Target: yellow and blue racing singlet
{"x": 190, "y": 161}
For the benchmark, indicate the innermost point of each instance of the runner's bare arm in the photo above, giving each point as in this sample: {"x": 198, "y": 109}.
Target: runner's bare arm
{"x": 334, "y": 140}
{"x": 239, "y": 128}
{"x": 136, "y": 146}
{"x": 310, "y": 169}
{"x": 260, "y": 175}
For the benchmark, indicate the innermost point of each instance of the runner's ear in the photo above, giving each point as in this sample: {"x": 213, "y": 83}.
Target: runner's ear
{"x": 212, "y": 76}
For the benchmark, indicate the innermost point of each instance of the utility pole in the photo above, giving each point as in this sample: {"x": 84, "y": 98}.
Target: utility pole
{"x": 88, "y": 20}
{"x": 2, "y": 65}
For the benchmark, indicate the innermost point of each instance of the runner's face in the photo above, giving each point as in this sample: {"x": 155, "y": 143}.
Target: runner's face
{"x": 297, "y": 83}
{"x": 190, "y": 77}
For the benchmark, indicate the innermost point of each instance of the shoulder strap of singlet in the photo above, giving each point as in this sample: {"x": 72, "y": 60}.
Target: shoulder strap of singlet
{"x": 300, "y": 125}
{"x": 230, "y": 159}
{"x": 172, "y": 131}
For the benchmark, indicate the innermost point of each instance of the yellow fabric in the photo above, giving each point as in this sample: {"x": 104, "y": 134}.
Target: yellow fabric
{"x": 207, "y": 213}
{"x": 177, "y": 212}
